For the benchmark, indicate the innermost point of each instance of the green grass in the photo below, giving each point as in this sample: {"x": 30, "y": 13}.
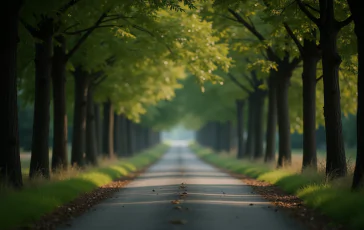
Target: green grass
{"x": 333, "y": 199}
{"x": 22, "y": 208}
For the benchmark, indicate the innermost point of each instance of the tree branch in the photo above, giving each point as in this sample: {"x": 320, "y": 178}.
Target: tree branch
{"x": 84, "y": 37}
{"x": 249, "y": 80}
{"x": 303, "y": 8}
{"x": 318, "y": 79}
{"x": 295, "y": 62}
{"x": 294, "y": 38}
{"x": 76, "y": 24}
{"x": 345, "y": 22}
{"x": 247, "y": 25}
{"x": 264, "y": 55}
{"x": 115, "y": 17}
{"x": 90, "y": 28}
{"x": 68, "y": 5}
{"x": 96, "y": 82}
{"x": 253, "y": 30}
{"x": 238, "y": 83}
{"x": 29, "y": 28}
{"x": 224, "y": 16}
{"x": 312, "y": 8}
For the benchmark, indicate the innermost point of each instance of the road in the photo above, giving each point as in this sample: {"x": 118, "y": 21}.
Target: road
{"x": 214, "y": 201}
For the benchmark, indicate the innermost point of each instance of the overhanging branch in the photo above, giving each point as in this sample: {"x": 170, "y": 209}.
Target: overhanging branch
{"x": 253, "y": 30}
{"x": 294, "y": 38}
{"x": 85, "y": 36}
{"x": 303, "y": 8}
{"x": 238, "y": 83}
{"x": 90, "y": 28}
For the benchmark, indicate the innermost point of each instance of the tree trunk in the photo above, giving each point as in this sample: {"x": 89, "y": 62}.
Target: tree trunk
{"x": 59, "y": 157}
{"x": 10, "y": 168}
{"x": 258, "y": 121}
{"x": 79, "y": 117}
{"x": 359, "y": 24}
{"x": 335, "y": 158}
{"x": 91, "y": 143}
{"x": 284, "y": 129}
{"x": 108, "y": 130}
{"x": 310, "y": 60}
{"x": 271, "y": 119}
{"x": 146, "y": 136}
{"x": 129, "y": 138}
{"x": 39, "y": 163}
{"x": 251, "y": 129}
{"x": 227, "y": 145}
{"x": 98, "y": 128}
{"x": 217, "y": 137}
{"x": 123, "y": 136}
{"x": 133, "y": 135}
{"x": 240, "y": 127}
{"x": 117, "y": 139}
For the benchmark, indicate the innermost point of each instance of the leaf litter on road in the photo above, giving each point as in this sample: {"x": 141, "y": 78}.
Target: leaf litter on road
{"x": 178, "y": 222}
{"x": 175, "y": 202}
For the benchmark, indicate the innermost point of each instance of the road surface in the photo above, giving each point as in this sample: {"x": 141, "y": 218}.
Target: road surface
{"x": 214, "y": 201}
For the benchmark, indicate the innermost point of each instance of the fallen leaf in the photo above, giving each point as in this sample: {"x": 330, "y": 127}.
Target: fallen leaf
{"x": 175, "y": 202}
{"x": 251, "y": 204}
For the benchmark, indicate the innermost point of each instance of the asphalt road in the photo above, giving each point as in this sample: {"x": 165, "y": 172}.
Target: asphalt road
{"x": 214, "y": 201}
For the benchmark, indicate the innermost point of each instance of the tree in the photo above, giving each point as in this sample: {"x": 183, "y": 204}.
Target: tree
{"x": 329, "y": 28}
{"x": 359, "y": 23}
{"x": 10, "y": 168}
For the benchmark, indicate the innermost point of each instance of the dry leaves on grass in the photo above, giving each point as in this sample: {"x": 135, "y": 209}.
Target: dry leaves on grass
{"x": 291, "y": 204}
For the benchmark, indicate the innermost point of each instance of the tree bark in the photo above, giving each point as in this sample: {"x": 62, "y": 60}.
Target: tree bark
{"x": 133, "y": 137}
{"x": 10, "y": 168}
{"x": 98, "y": 128}
{"x": 123, "y": 136}
{"x": 59, "y": 157}
{"x": 284, "y": 127}
{"x": 240, "y": 127}
{"x": 39, "y": 163}
{"x": 271, "y": 119}
{"x": 216, "y": 126}
{"x": 335, "y": 157}
{"x": 310, "y": 60}
{"x": 258, "y": 121}
{"x": 108, "y": 130}
{"x": 79, "y": 117}
{"x": 117, "y": 139}
{"x": 228, "y": 136}
{"x": 359, "y": 24}
{"x": 251, "y": 129}
{"x": 91, "y": 143}
{"x": 129, "y": 137}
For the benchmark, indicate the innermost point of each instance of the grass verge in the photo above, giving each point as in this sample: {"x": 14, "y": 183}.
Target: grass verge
{"x": 22, "y": 208}
{"x": 333, "y": 199}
